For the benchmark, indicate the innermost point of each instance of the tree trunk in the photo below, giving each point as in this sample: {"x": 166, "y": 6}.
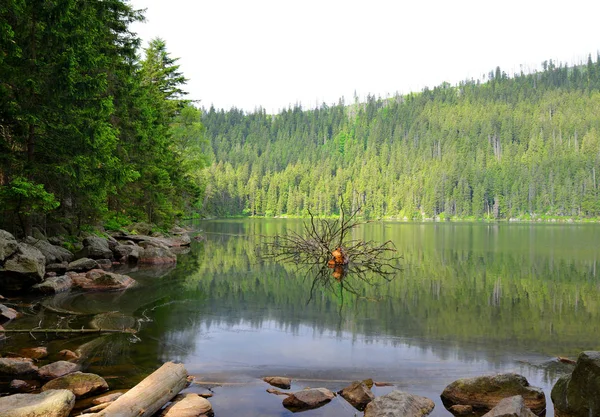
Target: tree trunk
{"x": 148, "y": 396}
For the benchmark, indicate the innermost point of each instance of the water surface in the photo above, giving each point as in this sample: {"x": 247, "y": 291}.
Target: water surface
{"x": 470, "y": 299}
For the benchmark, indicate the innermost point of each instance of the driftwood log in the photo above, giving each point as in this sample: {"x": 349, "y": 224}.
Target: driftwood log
{"x": 150, "y": 395}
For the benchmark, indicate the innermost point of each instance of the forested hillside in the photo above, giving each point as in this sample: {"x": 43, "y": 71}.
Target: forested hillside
{"x": 89, "y": 130}
{"x": 523, "y": 146}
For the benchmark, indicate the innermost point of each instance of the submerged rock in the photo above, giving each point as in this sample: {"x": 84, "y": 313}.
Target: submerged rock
{"x": 510, "y": 407}
{"x": 278, "y": 381}
{"x": 55, "y": 403}
{"x": 7, "y": 314}
{"x": 58, "y": 369}
{"x": 22, "y": 387}
{"x": 308, "y": 398}
{"x": 400, "y": 404}
{"x": 79, "y": 383}
{"x": 578, "y": 394}
{"x": 358, "y": 394}
{"x": 484, "y": 392}
{"x": 34, "y": 352}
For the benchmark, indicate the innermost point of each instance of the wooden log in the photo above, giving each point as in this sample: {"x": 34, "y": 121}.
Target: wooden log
{"x": 148, "y": 396}
{"x": 130, "y": 331}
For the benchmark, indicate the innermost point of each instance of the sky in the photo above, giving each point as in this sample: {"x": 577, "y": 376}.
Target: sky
{"x": 277, "y": 53}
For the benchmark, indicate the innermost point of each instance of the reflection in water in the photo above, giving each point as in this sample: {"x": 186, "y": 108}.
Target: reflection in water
{"x": 470, "y": 299}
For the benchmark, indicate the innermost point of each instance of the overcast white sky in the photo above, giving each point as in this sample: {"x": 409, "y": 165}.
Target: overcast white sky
{"x": 275, "y": 53}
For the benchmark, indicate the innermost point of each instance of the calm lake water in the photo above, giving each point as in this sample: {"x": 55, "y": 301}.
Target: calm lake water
{"x": 471, "y": 299}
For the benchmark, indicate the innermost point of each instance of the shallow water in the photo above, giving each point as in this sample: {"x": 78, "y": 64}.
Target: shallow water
{"x": 470, "y": 299}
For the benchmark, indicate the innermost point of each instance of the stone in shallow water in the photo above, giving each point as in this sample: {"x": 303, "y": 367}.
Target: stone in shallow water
{"x": 484, "y": 392}
{"x": 578, "y": 394}
{"x": 399, "y": 404}
{"x": 34, "y": 352}
{"x": 510, "y": 407}
{"x": 308, "y": 398}
{"x": 57, "y": 369}
{"x": 17, "y": 367}
{"x": 55, "y": 403}
{"x": 358, "y": 394}
{"x": 80, "y": 384}
{"x": 187, "y": 405}
{"x": 278, "y": 381}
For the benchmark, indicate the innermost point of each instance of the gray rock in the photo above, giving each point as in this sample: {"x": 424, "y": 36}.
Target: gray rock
{"x": 154, "y": 254}
{"x": 58, "y": 268}
{"x": 485, "y": 392}
{"x": 358, "y": 394}
{"x": 128, "y": 253}
{"x": 578, "y": 394}
{"x": 510, "y": 407}
{"x": 54, "y": 285}
{"x": 37, "y": 234}
{"x": 105, "y": 264}
{"x": 55, "y": 403}
{"x": 83, "y": 264}
{"x": 95, "y": 247}
{"x": 53, "y": 254}
{"x": 8, "y": 245}
{"x": 308, "y": 399}
{"x": 7, "y": 314}
{"x": 99, "y": 280}
{"x": 400, "y": 404}
{"x": 18, "y": 367}
{"x": 23, "y": 268}
{"x": 79, "y": 383}
{"x": 57, "y": 369}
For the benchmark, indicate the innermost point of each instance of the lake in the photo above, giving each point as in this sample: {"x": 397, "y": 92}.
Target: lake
{"x": 470, "y": 299}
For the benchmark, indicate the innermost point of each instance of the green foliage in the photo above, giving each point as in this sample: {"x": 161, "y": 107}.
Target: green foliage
{"x": 26, "y": 197}
{"x": 81, "y": 115}
{"x": 521, "y": 147}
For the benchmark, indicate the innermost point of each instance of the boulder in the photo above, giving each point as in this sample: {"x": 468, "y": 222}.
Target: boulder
{"x": 54, "y": 285}
{"x": 55, "y": 403}
{"x": 510, "y": 407}
{"x": 8, "y": 245}
{"x": 127, "y": 253}
{"x": 187, "y": 405}
{"x": 79, "y": 383}
{"x": 308, "y": 399}
{"x": 358, "y": 394}
{"x": 105, "y": 264}
{"x": 83, "y": 264}
{"x": 34, "y": 353}
{"x": 95, "y": 247}
{"x": 17, "y": 367}
{"x": 52, "y": 253}
{"x": 99, "y": 280}
{"x": 401, "y": 404}
{"x": 68, "y": 354}
{"x": 7, "y": 314}
{"x": 20, "y": 268}
{"x": 484, "y": 392}
{"x": 278, "y": 381}
{"x": 578, "y": 394}
{"x": 155, "y": 254}
{"x": 21, "y": 386}
{"x": 57, "y": 369}
{"x": 58, "y": 268}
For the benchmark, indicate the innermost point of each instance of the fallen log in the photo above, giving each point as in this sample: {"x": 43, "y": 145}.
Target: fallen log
{"x": 66, "y": 331}
{"x": 148, "y": 396}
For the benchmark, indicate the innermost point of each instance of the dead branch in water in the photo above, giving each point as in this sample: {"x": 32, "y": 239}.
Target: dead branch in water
{"x": 329, "y": 242}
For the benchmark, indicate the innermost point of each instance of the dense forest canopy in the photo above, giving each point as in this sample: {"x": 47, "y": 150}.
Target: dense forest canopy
{"x": 524, "y": 147}
{"x": 93, "y": 129}
{"x": 90, "y": 130}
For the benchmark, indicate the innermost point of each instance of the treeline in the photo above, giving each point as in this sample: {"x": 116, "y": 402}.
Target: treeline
{"x": 525, "y": 146}
{"x": 89, "y": 130}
